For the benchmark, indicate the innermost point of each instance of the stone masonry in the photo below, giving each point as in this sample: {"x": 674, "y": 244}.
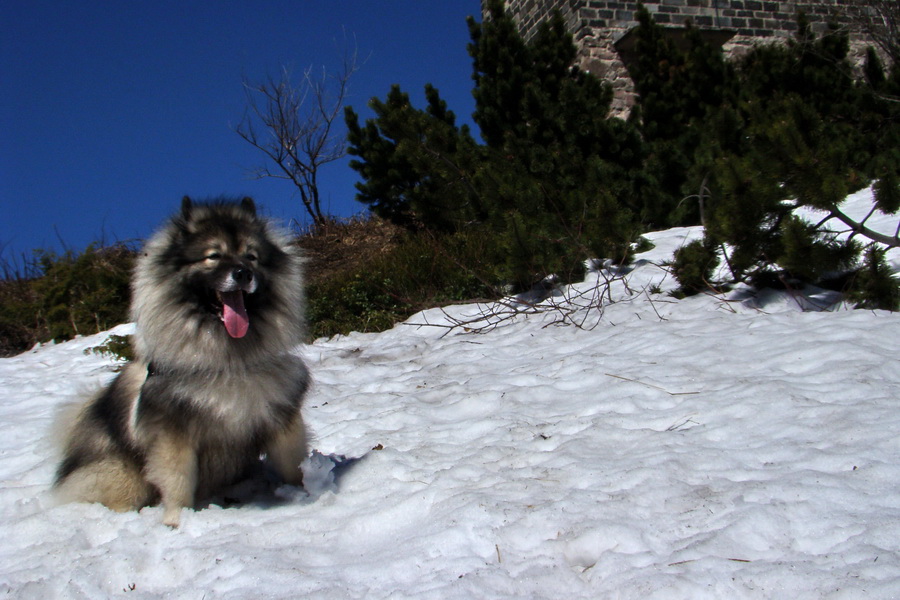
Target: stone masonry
{"x": 601, "y": 27}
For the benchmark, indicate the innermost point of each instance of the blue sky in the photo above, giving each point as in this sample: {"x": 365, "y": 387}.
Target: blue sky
{"x": 111, "y": 111}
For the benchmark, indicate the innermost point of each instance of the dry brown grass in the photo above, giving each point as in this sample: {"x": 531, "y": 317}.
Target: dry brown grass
{"x": 342, "y": 246}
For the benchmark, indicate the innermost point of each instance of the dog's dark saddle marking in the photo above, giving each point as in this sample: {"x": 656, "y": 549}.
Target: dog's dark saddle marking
{"x": 154, "y": 371}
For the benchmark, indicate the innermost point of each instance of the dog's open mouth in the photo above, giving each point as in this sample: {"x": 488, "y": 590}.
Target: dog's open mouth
{"x": 234, "y": 313}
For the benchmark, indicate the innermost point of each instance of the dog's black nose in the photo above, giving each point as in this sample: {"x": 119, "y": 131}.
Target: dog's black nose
{"x": 242, "y": 275}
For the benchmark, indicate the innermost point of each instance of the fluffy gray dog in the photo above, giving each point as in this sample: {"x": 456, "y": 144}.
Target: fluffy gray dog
{"x": 218, "y": 301}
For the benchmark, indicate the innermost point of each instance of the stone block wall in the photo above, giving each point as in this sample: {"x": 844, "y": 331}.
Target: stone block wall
{"x": 598, "y": 24}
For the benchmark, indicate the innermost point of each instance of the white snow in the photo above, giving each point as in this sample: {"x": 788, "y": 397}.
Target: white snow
{"x": 713, "y": 447}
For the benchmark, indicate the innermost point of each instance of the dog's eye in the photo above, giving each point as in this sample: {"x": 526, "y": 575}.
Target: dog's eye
{"x": 213, "y": 256}
{"x": 250, "y": 256}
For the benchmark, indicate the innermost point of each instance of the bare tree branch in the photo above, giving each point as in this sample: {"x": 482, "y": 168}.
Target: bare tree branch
{"x": 880, "y": 20}
{"x": 582, "y": 306}
{"x": 293, "y": 124}
{"x": 860, "y": 229}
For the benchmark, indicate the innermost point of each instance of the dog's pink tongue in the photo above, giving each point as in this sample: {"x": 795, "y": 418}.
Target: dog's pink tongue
{"x": 234, "y": 315}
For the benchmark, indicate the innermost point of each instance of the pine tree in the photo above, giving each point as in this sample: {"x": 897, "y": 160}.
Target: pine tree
{"x": 679, "y": 91}
{"x": 803, "y": 133}
{"x": 534, "y": 104}
{"x": 415, "y": 164}
{"x": 564, "y": 172}
{"x": 552, "y": 182}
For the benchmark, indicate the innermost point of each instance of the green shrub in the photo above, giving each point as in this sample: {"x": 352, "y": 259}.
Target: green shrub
{"x": 69, "y": 294}
{"x": 116, "y": 347}
{"x": 875, "y": 286}
{"x": 20, "y": 324}
{"x": 85, "y": 293}
{"x": 694, "y": 266}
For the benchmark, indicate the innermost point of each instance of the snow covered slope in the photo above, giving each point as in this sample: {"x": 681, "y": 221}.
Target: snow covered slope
{"x": 705, "y": 448}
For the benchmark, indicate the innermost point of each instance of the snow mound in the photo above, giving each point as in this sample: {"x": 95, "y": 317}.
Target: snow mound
{"x": 714, "y": 447}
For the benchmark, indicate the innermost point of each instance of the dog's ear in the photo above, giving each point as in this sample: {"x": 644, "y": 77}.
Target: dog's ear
{"x": 248, "y": 205}
{"x": 186, "y": 207}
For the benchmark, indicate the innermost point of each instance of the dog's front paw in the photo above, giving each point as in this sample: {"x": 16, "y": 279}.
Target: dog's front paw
{"x": 172, "y": 517}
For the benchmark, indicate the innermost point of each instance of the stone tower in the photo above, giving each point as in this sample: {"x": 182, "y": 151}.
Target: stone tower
{"x": 602, "y": 28}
